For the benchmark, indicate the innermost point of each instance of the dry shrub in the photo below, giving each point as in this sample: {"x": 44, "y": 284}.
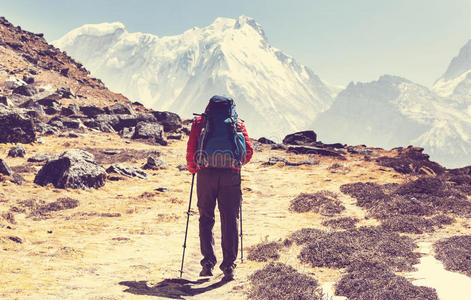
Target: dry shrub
{"x": 323, "y": 202}
{"x": 9, "y": 216}
{"x": 279, "y": 281}
{"x": 340, "y": 249}
{"x": 265, "y": 251}
{"x": 40, "y": 208}
{"x": 461, "y": 182}
{"x": 424, "y": 196}
{"x": 455, "y": 253}
{"x": 367, "y": 194}
{"x": 374, "y": 280}
{"x": 408, "y": 224}
{"x": 341, "y": 223}
{"x": 304, "y": 235}
{"x": 411, "y": 160}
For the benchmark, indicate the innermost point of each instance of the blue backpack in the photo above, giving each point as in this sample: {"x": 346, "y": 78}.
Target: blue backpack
{"x": 221, "y": 143}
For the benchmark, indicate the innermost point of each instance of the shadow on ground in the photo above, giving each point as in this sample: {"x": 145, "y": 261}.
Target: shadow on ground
{"x": 171, "y": 288}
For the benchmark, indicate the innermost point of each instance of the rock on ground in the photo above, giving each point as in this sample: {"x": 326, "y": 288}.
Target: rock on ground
{"x": 73, "y": 169}
{"x": 15, "y": 127}
{"x": 4, "y": 168}
{"x": 17, "y": 151}
{"x": 127, "y": 171}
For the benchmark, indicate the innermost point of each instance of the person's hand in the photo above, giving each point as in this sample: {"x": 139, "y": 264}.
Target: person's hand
{"x": 192, "y": 170}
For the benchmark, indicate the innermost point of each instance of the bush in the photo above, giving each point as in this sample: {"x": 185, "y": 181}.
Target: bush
{"x": 279, "y": 281}
{"x": 373, "y": 280}
{"x": 265, "y": 251}
{"x": 323, "y": 202}
{"x": 340, "y": 249}
{"x": 455, "y": 253}
{"x": 341, "y": 223}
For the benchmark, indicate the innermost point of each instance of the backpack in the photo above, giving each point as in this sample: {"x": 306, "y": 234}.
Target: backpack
{"x": 221, "y": 143}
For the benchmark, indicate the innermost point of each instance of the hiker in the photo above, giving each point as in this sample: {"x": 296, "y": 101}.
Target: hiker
{"x": 217, "y": 148}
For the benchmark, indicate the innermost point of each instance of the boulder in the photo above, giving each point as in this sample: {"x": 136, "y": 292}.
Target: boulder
{"x": 25, "y": 90}
{"x": 91, "y": 111}
{"x": 145, "y": 130}
{"x": 72, "y": 109}
{"x": 177, "y": 135}
{"x": 127, "y": 133}
{"x": 127, "y": 171}
{"x": 279, "y": 147}
{"x": 15, "y": 127}
{"x": 264, "y": 140}
{"x": 5, "y": 169}
{"x": 49, "y": 101}
{"x": 43, "y": 157}
{"x": 65, "y": 92}
{"x": 99, "y": 125}
{"x": 300, "y": 138}
{"x": 314, "y": 150}
{"x": 13, "y": 82}
{"x": 17, "y": 151}
{"x": 5, "y": 101}
{"x": 112, "y": 120}
{"x": 46, "y": 129}
{"x": 74, "y": 169}
{"x": 154, "y": 164}
{"x": 28, "y": 79}
{"x": 132, "y": 120}
{"x": 119, "y": 109}
{"x": 68, "y": 122}
{"x": 171, "y": 121}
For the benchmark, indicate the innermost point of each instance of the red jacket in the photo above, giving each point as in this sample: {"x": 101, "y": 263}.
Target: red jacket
{"x": 192, "y": 145}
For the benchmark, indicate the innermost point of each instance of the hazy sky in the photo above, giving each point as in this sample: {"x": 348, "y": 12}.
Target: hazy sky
{"x": 342, "y": 41}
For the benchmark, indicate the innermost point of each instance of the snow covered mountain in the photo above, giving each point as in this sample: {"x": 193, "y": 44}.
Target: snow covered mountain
{"x": 274, "y": 94}
{"x": 456, "y": 82}
{"x": 394, "y": 111}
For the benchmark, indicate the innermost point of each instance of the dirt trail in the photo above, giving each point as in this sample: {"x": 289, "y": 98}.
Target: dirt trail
{"x": 124, "y": 241}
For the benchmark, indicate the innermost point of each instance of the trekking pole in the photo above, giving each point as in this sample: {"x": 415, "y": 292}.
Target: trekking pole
{"x": 241, "y": 234}
{"x": 187, "y": 221}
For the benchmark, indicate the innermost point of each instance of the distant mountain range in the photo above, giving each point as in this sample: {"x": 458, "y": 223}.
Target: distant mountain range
{"x": 275, "y": 94}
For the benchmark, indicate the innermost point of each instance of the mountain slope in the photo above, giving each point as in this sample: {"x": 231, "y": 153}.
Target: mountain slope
{"x": 394, "y": 111}
{"x": 274, "y": 94}
{"x": 456, "y": 82}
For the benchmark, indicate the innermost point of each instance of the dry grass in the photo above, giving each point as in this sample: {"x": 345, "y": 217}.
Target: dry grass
{"x": 408, "y": 207}
{"x": 341, "y": 223}
{"x": 340, "y": 249}
{"x": 374, "y": 280}
{"x": 455, "y": 253}
{"x": 265, "y": 251}
{"x": 279, "y": 281}
{"x": 323, "y": 202}
{"x": 414, "y": 224}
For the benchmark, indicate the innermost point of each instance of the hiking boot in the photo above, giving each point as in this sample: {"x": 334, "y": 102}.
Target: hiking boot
{"x": 229, "y": 273}
{"x": 206, "y": 271}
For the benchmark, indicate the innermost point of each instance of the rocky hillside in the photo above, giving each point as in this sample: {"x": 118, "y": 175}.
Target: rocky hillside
{"x": 94, "y": 194}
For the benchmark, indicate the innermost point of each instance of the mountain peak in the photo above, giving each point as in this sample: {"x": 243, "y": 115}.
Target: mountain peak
{"x": 94, "y": 30}
{"x": 247, "y": 21}
{"x": 459, "y": 64}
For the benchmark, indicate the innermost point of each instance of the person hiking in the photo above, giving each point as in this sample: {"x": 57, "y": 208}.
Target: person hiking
{"x": 217, "y": 148}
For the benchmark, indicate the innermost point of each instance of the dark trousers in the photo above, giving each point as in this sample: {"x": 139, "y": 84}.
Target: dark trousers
{"x": 222, "y": 185}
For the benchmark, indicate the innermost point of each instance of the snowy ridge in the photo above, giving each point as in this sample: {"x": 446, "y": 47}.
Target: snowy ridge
{"x": 456, "y": 82}
{"x": 394, "y": 111}
{"x": 274, "y": 94}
